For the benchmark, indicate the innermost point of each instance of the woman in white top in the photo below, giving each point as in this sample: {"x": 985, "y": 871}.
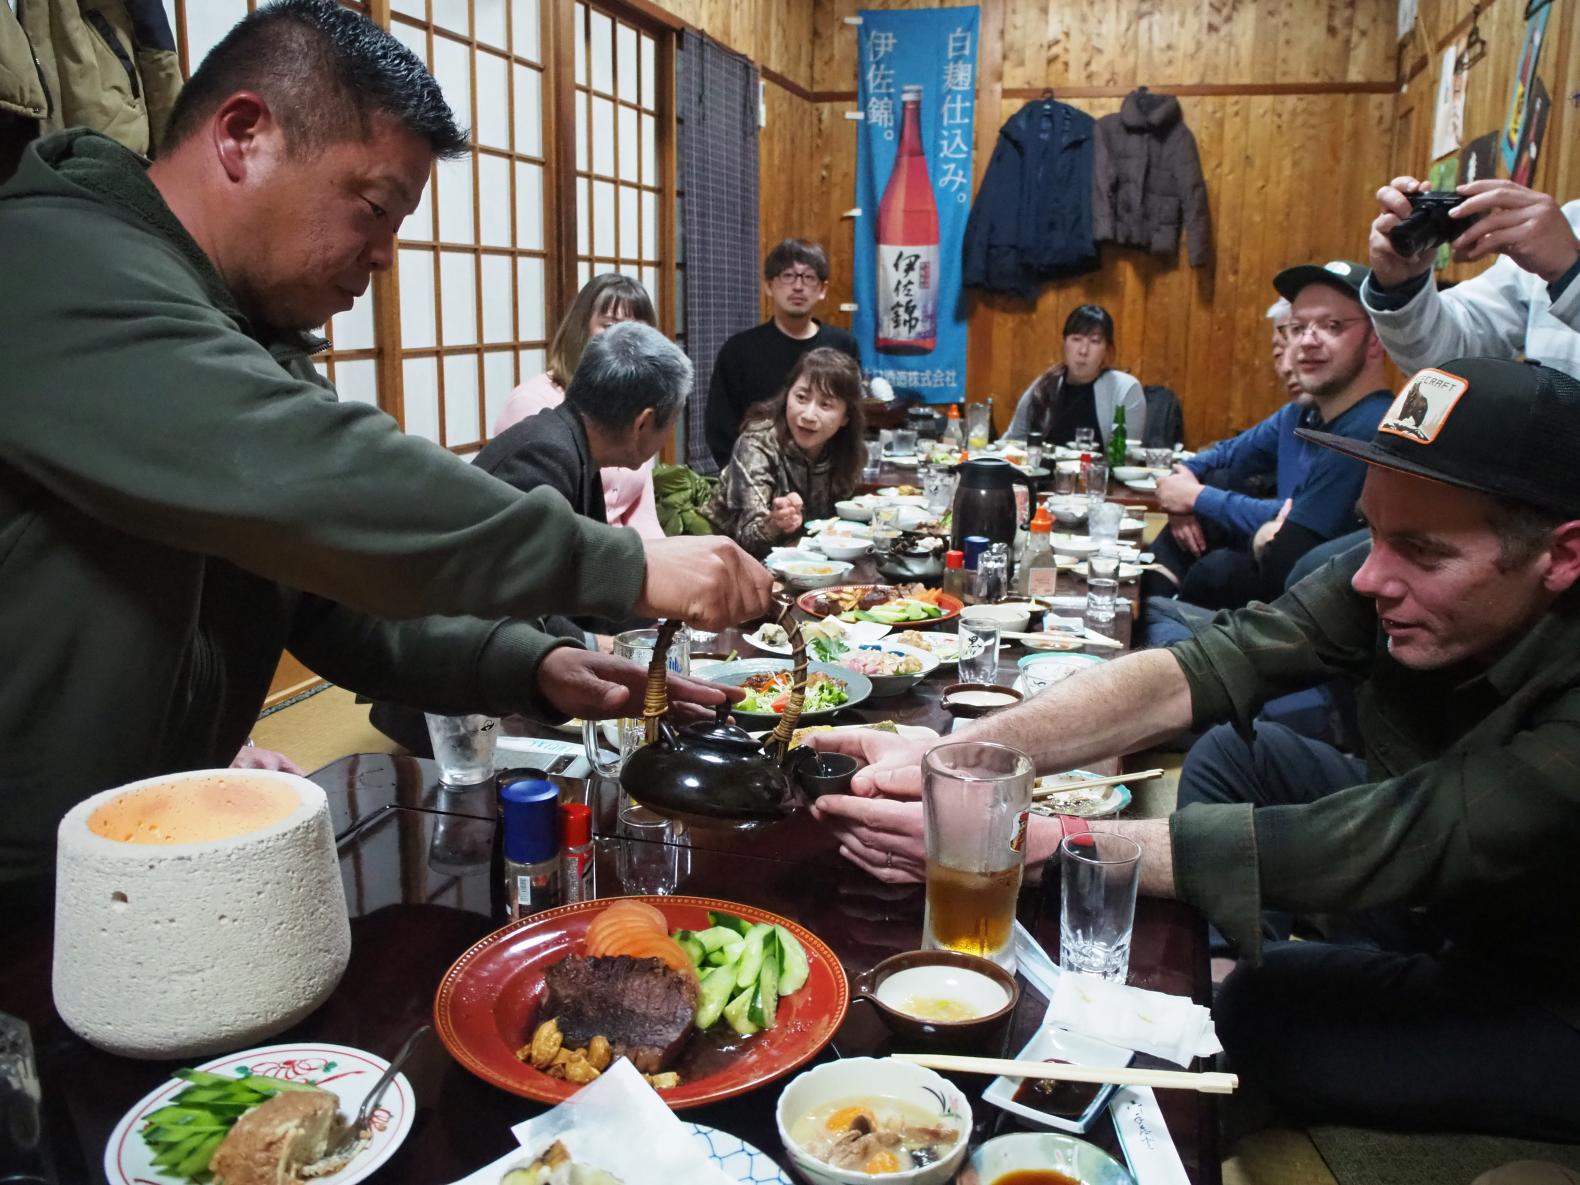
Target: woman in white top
{"x": 603, "y": 301}
{"x": 1081, "y": 391}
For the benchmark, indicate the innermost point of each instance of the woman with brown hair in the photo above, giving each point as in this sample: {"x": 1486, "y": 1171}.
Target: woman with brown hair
{"x": 1081, "y": 391}
{"x": 797, "y": 454}
{"x": 603, "y": 301}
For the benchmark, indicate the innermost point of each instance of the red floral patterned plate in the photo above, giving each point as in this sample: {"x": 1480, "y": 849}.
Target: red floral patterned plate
{"x": 488, "y": 1004}
{"x": 348, "y": 1073}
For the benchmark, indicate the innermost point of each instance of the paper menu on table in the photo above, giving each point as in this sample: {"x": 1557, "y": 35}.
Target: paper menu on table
{"x": 1145, "y": 1138}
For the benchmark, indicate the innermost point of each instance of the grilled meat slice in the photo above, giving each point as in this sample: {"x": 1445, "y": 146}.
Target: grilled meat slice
{"x": 644, "y": 1008}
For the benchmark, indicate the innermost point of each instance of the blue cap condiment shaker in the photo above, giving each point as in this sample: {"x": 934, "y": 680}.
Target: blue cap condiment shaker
{"x": 974, "y": 545}
{"x": 529, "y": 821}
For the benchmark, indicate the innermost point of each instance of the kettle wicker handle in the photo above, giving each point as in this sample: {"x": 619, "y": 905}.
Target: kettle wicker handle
{"x": 655, "y": 698}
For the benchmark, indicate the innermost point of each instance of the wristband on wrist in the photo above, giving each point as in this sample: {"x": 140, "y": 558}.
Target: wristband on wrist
{"x": 1072, "y": 825}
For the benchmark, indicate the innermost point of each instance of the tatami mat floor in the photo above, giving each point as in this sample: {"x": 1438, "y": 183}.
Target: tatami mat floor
{"x": 328, "y": 724}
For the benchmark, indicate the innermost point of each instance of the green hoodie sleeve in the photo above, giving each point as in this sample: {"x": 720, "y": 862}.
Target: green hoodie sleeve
{"x": 442, "y": 664}
{"x": 133, "y": 397}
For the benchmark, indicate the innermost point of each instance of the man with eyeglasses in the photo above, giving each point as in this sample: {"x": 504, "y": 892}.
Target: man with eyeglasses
{"x": 753, "y": 365}
{"x": 1250, "y": 543}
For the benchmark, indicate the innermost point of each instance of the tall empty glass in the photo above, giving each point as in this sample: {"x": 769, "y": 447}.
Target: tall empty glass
{"x": 637, "y": 645}
{"x": 975, "y": 797}
{"x": 1097, "y": 911}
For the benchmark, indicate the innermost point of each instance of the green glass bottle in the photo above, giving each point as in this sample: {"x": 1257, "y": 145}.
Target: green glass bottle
{"x": 1116, "y": 439}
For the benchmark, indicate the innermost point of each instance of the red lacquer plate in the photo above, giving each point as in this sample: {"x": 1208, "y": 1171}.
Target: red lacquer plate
{"x": 950, "y": 606}
{"x": 488, "y": 1003}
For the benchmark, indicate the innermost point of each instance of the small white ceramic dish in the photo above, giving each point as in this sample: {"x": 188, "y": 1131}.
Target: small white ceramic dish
{"x": 803, "y": 574}
{"x": 842, "y": 547}
{"x": 1023, "y": 1152}
{"x": 893, "y": 684}
{"x": 347, "y": 1073}
{"x": 1127, "y": 572}
{"x": 975, "y": 992}
{"x": 856, "y": 512}
{"x": 1014, "y": 616}
{"x": 1060, "y": 1045}
{"x": 857, "y": 1078}
{"x": 1131, "y": 472}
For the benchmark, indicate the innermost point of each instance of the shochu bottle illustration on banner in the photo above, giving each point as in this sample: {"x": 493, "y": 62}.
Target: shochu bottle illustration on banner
{"x": 908, "y": 243}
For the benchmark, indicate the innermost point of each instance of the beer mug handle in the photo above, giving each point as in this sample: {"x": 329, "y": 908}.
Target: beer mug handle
{"x": 595, "y": 752}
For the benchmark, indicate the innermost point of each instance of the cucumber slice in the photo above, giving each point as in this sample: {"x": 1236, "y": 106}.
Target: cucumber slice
{"x": 793, "y": 968}
{"x": 692, "y": 947}
{"x": 716, "y": 936}
{"x": 739, "y": 925}
{"x": 197, "y": 1161}
{"x": 737, "y": 1013}
{"x": 714, "y": 995}
{"x": 727, "y": 956}
{"x": 765, "y": 999}
{"x": 751, "y": 963}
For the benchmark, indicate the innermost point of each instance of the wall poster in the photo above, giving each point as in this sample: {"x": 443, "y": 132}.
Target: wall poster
{"x": 917, "y": 90}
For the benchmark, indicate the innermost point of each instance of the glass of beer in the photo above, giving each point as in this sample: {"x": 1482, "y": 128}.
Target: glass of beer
{"x": 975, "y": 797}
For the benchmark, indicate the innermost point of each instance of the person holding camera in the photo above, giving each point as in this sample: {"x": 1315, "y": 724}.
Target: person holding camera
{"x": 1527, "y": 304}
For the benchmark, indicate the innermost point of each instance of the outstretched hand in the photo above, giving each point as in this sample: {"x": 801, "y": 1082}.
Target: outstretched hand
{"x": 891, "y": 763}
{"x": 596, "y": 686}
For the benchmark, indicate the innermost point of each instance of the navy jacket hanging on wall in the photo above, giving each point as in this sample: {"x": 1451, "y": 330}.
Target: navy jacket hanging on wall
{"x": 1032, "y": 219}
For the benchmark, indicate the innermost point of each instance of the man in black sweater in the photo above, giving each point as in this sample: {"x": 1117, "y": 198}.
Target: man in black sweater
{"x": 753, "y": 365}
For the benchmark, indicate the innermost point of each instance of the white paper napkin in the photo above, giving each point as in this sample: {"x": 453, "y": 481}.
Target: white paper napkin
{"x": 1165, "y": 1026}
{"x": 616, "y": 1123}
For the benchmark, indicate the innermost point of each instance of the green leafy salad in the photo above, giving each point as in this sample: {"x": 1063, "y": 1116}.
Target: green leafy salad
{"x": 768, "y": 693}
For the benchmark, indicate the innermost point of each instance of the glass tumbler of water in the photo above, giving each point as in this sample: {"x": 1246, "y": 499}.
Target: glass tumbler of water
{"x": 1102, "y": 583}
{"x": 975, "y": 797}
{"x": 1086, "y": 439}
{"x": 1066, "y": 477}
{"x": 1097, "y": 903}
{"x": 978, "y": 650}
{"x": 464, "y": 747}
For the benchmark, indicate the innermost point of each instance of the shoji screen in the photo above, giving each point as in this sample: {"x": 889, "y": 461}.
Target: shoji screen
{"x": 472, "y": 259}
{"x": 618, "y": 189}
{"x": 199, "y": 25}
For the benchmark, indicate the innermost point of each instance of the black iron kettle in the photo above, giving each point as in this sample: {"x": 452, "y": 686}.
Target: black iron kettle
{"x": 712, "y": 772}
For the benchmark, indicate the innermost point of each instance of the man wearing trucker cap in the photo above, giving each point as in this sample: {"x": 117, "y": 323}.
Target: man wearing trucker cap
{"x": 1451, "y": 848}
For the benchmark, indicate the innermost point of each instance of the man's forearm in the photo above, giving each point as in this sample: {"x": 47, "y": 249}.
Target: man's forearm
{"x": 1157, "y": 849}
{"x": 1109, "y": 710}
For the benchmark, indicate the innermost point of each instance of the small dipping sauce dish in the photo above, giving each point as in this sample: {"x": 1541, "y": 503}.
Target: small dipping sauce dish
{"x": 941, "y": 998}
{"x": 970, "y": 700}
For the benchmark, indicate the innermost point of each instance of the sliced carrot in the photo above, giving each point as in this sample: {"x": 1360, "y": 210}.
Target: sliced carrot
{"x": 652, "y": 913}
{"x": 658, "y": 946}
{"x": 613, "y": 932}
{"x": 930, "y": 595}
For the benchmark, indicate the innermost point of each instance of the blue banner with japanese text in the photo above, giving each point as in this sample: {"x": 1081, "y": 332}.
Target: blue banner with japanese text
{"x": 913, "y": 187}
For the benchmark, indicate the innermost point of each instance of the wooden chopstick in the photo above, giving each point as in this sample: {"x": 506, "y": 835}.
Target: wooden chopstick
{"x": 1087, "y": 784}
{"x": 1209, "y": 1083}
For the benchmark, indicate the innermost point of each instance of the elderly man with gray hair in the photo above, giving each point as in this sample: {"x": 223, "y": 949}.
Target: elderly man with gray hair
{"x": 622, "y": 402}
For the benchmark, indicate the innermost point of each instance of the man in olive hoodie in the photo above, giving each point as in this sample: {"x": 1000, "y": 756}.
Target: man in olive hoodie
{"x": 181, "y": 497}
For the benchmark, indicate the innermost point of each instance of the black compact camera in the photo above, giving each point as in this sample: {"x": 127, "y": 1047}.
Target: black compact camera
{"x": 1428, "y": 224}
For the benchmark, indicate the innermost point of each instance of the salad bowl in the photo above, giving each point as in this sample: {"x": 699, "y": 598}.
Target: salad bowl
{"x": 850, "y": 689}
